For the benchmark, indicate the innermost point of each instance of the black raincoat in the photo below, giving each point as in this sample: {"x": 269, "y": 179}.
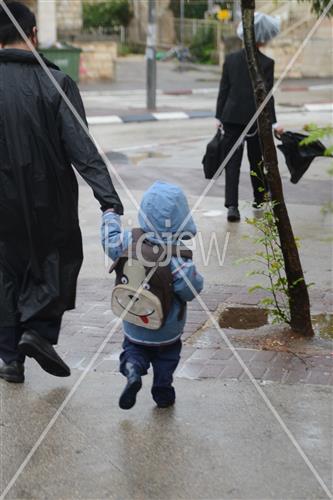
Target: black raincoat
{"x": 40, "y": 239}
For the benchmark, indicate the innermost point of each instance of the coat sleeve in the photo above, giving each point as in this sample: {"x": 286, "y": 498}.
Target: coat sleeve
{"x": 82, "y": 152}
{"x": 224, "y": 91}
{"x": 186, "y": 279}
{"x": 115, "y": 240}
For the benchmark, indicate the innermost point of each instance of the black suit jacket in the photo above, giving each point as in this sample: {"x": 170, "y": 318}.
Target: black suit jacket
{"x": 236, "y": 102}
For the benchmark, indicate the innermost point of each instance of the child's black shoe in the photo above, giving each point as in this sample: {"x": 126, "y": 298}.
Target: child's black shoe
{"x": 165, "y": 404}
{"x": 134, "y": 383}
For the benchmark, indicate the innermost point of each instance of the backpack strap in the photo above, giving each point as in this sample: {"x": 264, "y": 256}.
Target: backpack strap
{"x": 137, "y": 233}
{"x": 183, "y": 252}
{"x": 182, "y": 304}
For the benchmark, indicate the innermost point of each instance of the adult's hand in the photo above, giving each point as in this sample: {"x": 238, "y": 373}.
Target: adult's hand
{"x": 278, "y": 131}
{"x": 218, "y": 124}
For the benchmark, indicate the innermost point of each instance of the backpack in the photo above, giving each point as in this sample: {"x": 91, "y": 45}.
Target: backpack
{"x": 150, "y": 307}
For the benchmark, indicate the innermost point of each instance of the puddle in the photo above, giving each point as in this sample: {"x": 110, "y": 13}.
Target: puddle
{"x": 243, "y": 318}
{"x": 136, "y": 159}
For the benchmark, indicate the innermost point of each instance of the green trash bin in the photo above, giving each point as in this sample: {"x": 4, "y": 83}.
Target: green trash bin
{"x": 66, "y": 57}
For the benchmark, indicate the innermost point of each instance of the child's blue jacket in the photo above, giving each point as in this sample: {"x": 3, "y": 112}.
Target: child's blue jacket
{"x": 164, "y": 206}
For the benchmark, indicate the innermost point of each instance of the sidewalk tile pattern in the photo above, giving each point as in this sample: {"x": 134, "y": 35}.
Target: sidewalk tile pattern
{"x": 86, "y": 328}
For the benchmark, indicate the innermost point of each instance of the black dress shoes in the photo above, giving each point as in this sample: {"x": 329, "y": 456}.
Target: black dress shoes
{"x": 134, "y": 383}
{"x": 34, "y": 346}
{"x": 12, "y": 372}
{"x": 233, "y": 214}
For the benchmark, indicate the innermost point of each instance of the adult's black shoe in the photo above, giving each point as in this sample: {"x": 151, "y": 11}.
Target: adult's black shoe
{"x": 34, "y": 346}
{"x": 12, "y": 372}
{"x": 233, "y": 214}
{"x": 134, "y": 383}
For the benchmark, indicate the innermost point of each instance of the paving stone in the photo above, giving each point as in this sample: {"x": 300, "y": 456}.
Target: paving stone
{"x": 246, "y": 354}
{"x": 190, "y": 370}
{"x": 257, "y": 370}
{"x": 187, "y": 352}
{"x": 286, "y": 360}
{"x": 203, "y": 354}
{"x": 264, "y": 356}
{"x": 211, "y": 371}
{"x": 232, "y": 370}
{"x": 276, "y": 374}
{"x": 298, "y": 375}
{"x": 320, "y": 377}
{"x": 325, "y": 361}
{"x": 222, "y": 354}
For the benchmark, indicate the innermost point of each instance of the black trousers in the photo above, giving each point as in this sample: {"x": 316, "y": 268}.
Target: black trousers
{"x": 232, "y": 172}
{"x": 10, "y": 337}
{"x": 164, "y": 360}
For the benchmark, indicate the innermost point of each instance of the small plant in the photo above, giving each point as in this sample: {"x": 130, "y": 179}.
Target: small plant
{"x": 270, "y": 260}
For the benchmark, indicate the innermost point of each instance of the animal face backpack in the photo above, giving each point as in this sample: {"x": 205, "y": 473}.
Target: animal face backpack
{"x": 149, "y": 307}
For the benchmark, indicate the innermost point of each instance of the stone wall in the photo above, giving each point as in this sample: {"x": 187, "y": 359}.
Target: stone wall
{"x": 316, "y": 60}
{"x": 69, "y": 16}
{"x": 137, "y": 32}
{"x": 98, "y": 60}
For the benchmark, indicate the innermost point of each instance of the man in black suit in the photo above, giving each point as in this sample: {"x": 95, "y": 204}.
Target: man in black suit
{"x": 235, "y": 107}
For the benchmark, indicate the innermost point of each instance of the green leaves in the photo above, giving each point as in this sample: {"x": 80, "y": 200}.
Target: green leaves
{"x": 106, "y": 14}
{"x": 317, "y": 134}
{"x": 318, "y": 6}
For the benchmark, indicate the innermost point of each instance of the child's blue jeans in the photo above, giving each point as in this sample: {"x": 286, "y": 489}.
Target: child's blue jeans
{"x": 164, "y": 360}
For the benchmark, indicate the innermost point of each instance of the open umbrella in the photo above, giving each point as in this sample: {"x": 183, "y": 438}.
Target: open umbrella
{"x": 265, "y": 27}
{"x": 299, "y": 157}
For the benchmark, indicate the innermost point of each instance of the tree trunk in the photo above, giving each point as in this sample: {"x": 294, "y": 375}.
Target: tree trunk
{"x": 298, "y": 293}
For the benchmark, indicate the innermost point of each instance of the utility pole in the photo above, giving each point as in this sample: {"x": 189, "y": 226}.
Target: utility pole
{"x": 210, "y": 5}
{"x": 151, "y": 55}
{"x": 182, "y": 18}
{"x": 236, "y": 11}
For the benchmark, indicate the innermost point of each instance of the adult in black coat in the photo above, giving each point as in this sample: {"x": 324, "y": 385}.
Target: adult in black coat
{"x": 40, "y": 239}
{"x": 235, "y": 107}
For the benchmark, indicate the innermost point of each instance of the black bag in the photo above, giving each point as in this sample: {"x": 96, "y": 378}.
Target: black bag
{"x": 299, "y": 157}
{"x": 214, "y": 155}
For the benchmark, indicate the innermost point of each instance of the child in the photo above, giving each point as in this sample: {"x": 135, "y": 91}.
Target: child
{"x": 164, "y": 208}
